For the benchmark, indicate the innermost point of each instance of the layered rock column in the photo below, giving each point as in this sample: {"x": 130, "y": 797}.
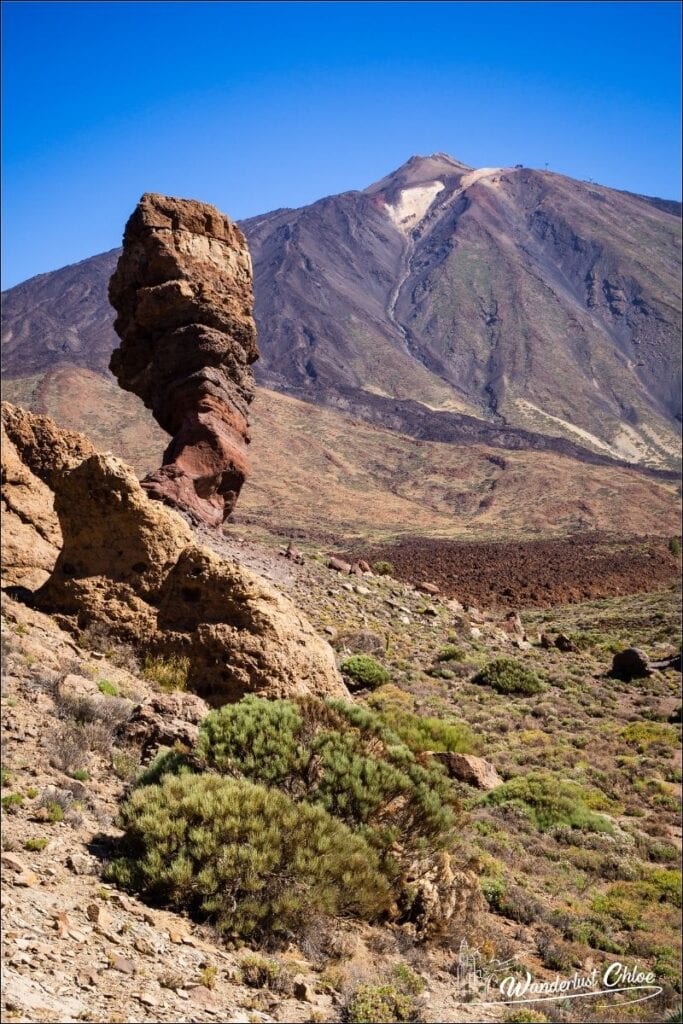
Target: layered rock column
{"x": 183, "y": 295}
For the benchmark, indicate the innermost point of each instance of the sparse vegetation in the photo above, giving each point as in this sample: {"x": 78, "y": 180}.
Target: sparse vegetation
{"x": 35, "y": 845}
{"x": 389, "y": 1001}
{"x": 12, "y": 802}
{"x": 167, "y": 673}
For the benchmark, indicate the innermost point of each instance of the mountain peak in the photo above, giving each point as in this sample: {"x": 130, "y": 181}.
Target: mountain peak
{"x": 420, "y": 169}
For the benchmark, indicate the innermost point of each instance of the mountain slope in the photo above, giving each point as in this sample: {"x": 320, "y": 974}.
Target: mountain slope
{"x": 502, "y": 305}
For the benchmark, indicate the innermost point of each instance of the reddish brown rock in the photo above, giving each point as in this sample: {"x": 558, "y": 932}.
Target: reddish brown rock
{"x": 183, "y": 295}
{"x": 339, "y": 565}
{"x": 475, "y": 771}
{"x": 428, "y": 588}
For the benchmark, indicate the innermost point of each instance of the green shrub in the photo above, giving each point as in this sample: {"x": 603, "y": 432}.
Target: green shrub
{"x": 506, "y": 675}
{"x": 12, "y": 802}
{"x": 364, "y": 671}
{"x": 5, "y": 778}
{"x": 168, "y": 673}
{"x": 55, "y": 811}
{"x": 253, "y": 860}
{"x": 35, "y": 845}
{"x": 258, "y": 971}
{"x": 675, "y": 547}
{"x": 107, "y": 688}
{"x": 525, "y": 1017}
{"x": 340, "y": 756}
{"x": 383, "y": 568}
{"x": 451, "y": 653}
{"x": 380, "y": 1004}
{"x": 549, "y": 801}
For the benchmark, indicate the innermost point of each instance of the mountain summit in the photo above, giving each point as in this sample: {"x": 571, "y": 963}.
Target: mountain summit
{"x": 505, "y": 304}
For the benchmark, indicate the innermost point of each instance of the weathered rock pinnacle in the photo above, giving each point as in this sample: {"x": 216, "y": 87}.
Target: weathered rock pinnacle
{"x": 183, "y": 295}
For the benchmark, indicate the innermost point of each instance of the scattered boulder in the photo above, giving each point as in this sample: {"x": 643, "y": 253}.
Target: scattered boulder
{"x": 512, "y": 624}
{"x": 163, "y": 721}
{"x": 183, "y": 295}
{"x": 339, "y": 565}
{"x": 631, "y": 663}
{"x": 364, "y": 566}
{"x": 565, "y": 644}
{"x": 293, "y": 554}
{"x": 475, "y": 771}
{"x": 428, "y": 588}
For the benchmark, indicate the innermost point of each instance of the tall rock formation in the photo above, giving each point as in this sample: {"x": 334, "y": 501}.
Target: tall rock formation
{"x": 183, "y": 295}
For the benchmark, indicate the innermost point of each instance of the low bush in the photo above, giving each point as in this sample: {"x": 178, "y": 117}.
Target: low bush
{"x": 364, "y": 672}
{"x": 337, "y": 755}
{"x": 380, "y": 1004}
{"x": 507, "y": 675}
{"x": 168, "y": 673}
{"x": 107, "y": 688}
{"x": 35, "y": 845}
{"x": 250, "y": 858}
{"x": 258, "y": 971}
{"x": 549, "y": 802}
{"x": 451, "y": 653}
{"x": 383, "y": 568}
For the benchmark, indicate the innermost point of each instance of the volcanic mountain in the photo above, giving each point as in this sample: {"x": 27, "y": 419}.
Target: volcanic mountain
{"x": 505, "y": 306}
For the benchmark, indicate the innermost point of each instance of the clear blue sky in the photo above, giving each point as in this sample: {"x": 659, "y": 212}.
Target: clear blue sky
{"x": 256, "y": 106}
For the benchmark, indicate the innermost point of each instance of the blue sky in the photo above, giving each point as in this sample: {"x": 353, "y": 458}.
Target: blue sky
{"x": 254, "y": 106}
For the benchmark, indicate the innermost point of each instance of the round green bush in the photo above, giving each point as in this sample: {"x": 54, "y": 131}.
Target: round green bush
{"x": 364, "y": 671}
{"x": 250, "y": 858}
{"x": 383, "y": 568}
{"x": 507, "y": 675}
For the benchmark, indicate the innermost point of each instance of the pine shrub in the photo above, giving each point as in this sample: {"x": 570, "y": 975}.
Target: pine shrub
{"x": 337, "y": 755}
{"x": 507, "y": 675}
{"x": 249, "y": 858}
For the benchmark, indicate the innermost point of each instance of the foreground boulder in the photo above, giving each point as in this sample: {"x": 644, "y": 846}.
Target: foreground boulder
{"x": 183, "y": 294}
{"x": 132, "y": 566}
